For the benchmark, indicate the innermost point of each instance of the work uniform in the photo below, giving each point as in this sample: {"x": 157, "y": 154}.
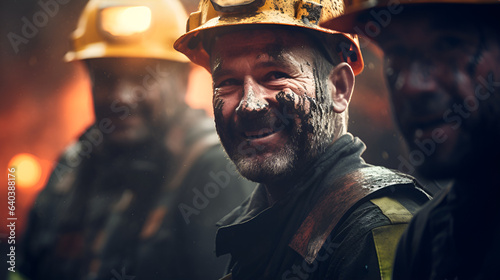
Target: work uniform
{"x": 341, "y": 220}
{"x": 453, "y": 237}
{"x": 147, "y": 214}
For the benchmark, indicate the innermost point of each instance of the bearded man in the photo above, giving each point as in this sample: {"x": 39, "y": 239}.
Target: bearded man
{"x": 281, "y": 93}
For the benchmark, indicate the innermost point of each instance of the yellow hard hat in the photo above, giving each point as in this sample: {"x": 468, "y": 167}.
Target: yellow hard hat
{"x": 354, "y": 8}
{"x": 129, "y": 28}
{"x": 213, "y": 14}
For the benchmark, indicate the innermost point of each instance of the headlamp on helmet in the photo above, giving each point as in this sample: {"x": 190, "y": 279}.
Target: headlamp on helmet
{"x": 235, "y": 6}
{"x": 121, "y": 22}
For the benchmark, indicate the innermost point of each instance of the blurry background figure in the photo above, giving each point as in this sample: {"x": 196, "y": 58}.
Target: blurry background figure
{"x": 442, "y": 63}
{"x": 139, "y": 193}
{"x": 371, "y": 120}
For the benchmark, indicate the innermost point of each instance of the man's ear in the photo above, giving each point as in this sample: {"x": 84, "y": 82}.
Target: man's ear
{"x": 342, "y": 82}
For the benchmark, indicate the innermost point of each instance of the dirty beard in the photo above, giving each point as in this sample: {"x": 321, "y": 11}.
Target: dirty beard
{"x": 274, "y": 168}
{"x": 310, "y": 134}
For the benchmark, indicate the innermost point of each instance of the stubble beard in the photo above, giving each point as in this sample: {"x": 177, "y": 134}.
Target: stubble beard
{"x": 268, "y": 167}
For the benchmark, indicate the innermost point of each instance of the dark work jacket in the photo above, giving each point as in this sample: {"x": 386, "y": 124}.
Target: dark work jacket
{"x": 148, "y": 214}
{"x": 454, "y": 236}
{"x": 262, "y": 239}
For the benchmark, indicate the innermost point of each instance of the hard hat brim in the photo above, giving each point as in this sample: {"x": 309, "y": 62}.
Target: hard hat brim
{"x": 103, "y": 50}
{"x": 190, "y": 43}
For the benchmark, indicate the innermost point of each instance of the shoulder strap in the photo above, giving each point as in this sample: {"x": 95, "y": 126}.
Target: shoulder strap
{"x": 344, "y": 193}
{"x": 384, "y": 237}
{"x": 195, "y": 151}
{"x": 172, "y": 187}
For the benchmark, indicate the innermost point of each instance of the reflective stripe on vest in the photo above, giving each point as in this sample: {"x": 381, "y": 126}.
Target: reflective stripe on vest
{"x": 386, "y": 237}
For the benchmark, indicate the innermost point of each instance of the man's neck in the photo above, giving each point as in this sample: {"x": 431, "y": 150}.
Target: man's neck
{"x": 278, "y": 188}
{"x": 277, "y": 192}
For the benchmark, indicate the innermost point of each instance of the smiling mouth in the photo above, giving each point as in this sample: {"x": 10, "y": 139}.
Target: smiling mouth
{"x": 428, "y": 124}
{"x": 422, "y": 128}
{"x": 261, "y": 133}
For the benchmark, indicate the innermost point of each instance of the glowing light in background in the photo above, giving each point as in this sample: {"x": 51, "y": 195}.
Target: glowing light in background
{"x": 28, "y": 170}
{"x": 199, "y": 92}
{"x": 125, "y": 21}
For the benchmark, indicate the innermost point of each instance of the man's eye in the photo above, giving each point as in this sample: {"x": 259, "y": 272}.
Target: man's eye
{"x": 275, "y": 75}
{"x": 228, "y": 82}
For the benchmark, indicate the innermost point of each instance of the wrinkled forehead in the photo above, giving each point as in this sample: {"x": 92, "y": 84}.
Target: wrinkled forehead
{"x": 272, "y": 42}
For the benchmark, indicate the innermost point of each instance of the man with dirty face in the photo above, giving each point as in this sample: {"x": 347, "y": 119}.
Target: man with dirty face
{"x": 280, "y": 102}
{"x": 442, "y": 63}
{"x": 271, "y": 100}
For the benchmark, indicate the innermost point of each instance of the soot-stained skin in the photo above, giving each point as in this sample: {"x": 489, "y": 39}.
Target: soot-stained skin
{"x": 266, "y": 85}
{"x": 312, "y": 116}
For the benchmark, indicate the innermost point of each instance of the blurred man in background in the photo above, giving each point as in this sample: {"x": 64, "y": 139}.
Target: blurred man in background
{"x": 139, "y": 193}
{"x": 442, "y": 62}
{"x": 282, "y": 86}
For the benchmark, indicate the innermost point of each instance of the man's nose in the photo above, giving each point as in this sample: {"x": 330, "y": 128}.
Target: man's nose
{"x": 253, "y": 101}
{"x": 124, "y": 92}
{"x": 418, "y": 78}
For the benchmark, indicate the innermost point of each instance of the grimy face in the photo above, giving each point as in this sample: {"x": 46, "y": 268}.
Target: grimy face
{"x": 130, "y": 94}
{"x": 272, "y": 111}
{"x": 444, "y": 78}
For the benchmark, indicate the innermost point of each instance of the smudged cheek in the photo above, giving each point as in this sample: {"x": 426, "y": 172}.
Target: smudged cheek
{"x": 297, "y": 103}
{"x": 301, "y": 86}
{"x": 224, "y": 109}
{"x": 297, "y": 95}
{"x": 218, "y": 104}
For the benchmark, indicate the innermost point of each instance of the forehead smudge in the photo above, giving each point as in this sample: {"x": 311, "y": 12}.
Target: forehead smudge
{"x": 217, "y": 63}
{"x": 275, "y": 51}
